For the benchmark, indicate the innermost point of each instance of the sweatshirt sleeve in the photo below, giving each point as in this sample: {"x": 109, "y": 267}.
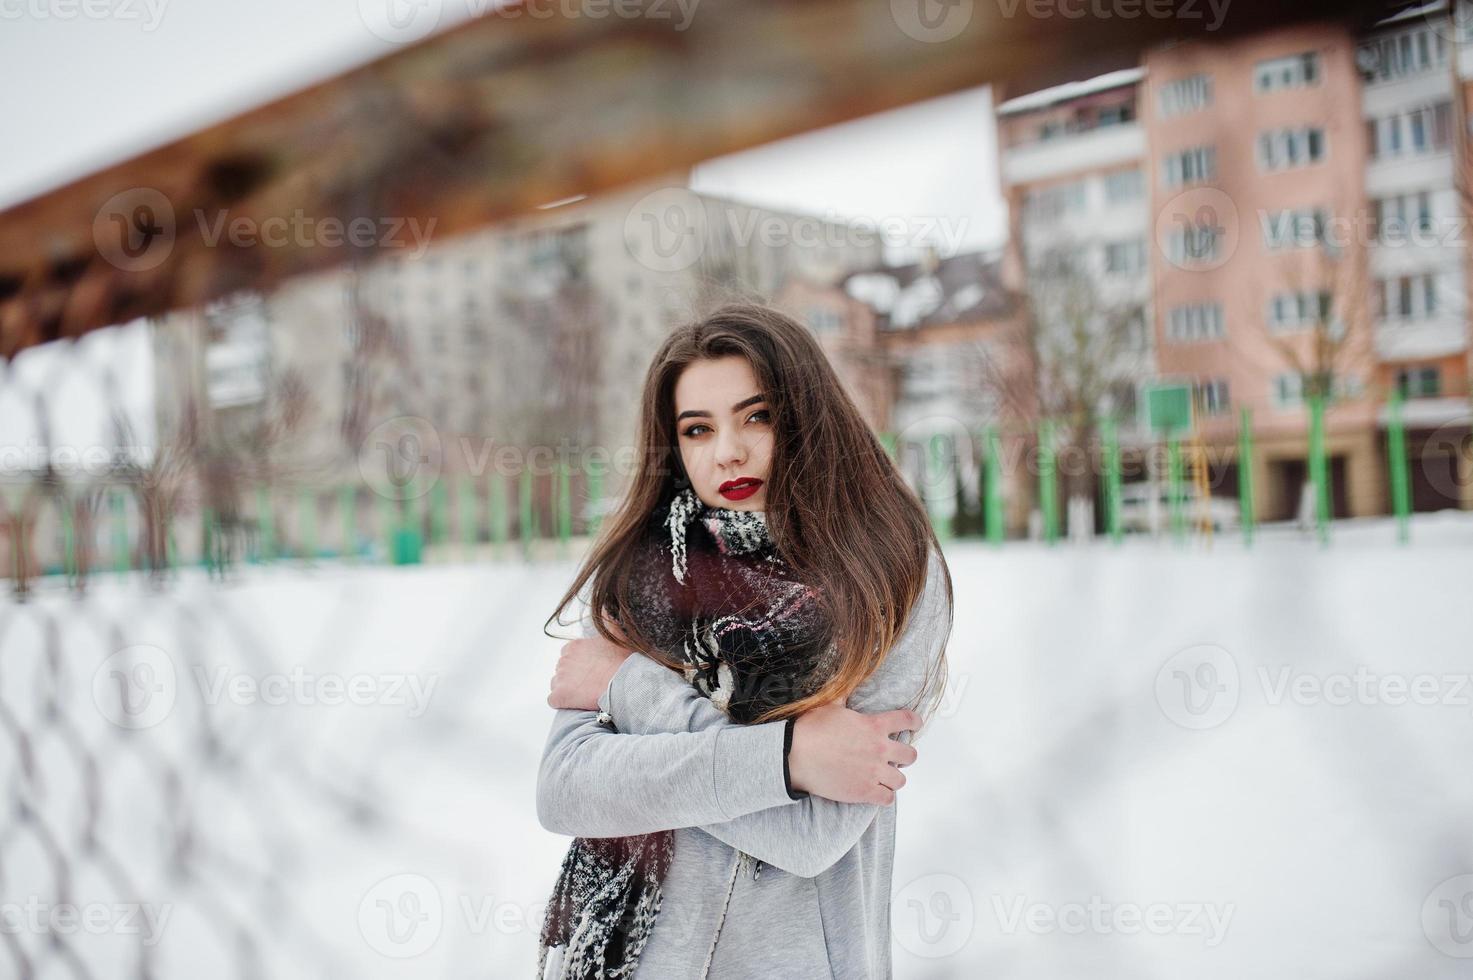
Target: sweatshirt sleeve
{"x": 807, "y": 836}
{"x": 595, "y": 782}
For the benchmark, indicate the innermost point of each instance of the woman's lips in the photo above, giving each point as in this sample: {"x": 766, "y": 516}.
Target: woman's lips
{"x": 740, "y": 489}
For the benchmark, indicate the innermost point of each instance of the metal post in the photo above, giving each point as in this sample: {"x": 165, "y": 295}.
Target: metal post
{"x": 1319, "y": 470}
{"x": 1245, "y": 474}
{"x": 1111, "y": 443}
{"x": 1174, "y": 485}
{"x": 1396, "y": 451}
{"x": 993, "y": 483}
{"x": 1047, "y": 482}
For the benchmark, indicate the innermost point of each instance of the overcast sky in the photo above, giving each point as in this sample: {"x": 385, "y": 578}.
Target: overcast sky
{"x": 85, "y": 92}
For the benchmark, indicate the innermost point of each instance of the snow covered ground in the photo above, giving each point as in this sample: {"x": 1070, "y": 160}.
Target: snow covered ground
{"x": 1154, "y": 761}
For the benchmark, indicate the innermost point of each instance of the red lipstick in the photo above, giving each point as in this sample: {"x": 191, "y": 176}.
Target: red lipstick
{"x": 740, "y": 488}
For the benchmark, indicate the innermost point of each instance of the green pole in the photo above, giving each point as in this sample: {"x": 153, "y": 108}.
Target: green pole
{"x": 525, "y": 507}
{"x": 207, "y": 533}
{"x": 993, "y": 484}
{"x": 1047, "y": 483}
{"x": 1245, "y": 474}
{"x": 121, "y": 560}
{"x": 500, "y": 514}
{"x": 1318, "y": 467}
{"x": 1174, "y": 485}
{"x": 348, "y": 503}
{"x": 309, "y": 523}
{"x": 70, "y": 564}
{"x": 465, "y": 496}
{"x": 1396, "y": 450}
{"x": 439, "y": 513}
{"x": 387, "y": 518}
{"x": 265, "y": 523}
{"x": 938, "y": 467}
{"x": 1111, "y": 439}
{"x": 595, "y": 497}
{"x": 564, "y": 506}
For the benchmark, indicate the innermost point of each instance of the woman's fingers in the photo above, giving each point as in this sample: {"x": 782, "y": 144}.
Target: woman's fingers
{"x": 902, "y": 754}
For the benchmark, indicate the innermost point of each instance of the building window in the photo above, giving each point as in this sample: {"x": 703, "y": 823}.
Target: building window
{"x": 1194, "y": 322}
{"x": 822, "y": 320}
{"x": 1424, "y": 130}
{"x": 1288, "y": 390}
{"x": 1281, "y": 149}
{"x": 1394, "y": 218}
{"x": 1196, "y": 244}
{"x": 1194, "y": 166}
{"x": 1411, "y": 297}
{"x": 1294, "y": 71}
{"x": 1211, "y": 396}
{"x": 1185, "y": 95}
{"x": 1052, "y": 203}
{"x": 1394, "y": 56}
{"x": 1419, "y": 382}
{"x": 1125, "y": 258}
{"x": 1294, "y": 228}
{"x": 1298, "y": 310}
{"x": 1124, "y": 185}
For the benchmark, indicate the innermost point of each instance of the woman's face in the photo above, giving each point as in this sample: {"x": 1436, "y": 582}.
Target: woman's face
{"x": 724, "y": 430}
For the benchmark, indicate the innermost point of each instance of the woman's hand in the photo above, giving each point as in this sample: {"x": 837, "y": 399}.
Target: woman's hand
{"x": 584, "y": 669}
{"x": 848, "y": 756}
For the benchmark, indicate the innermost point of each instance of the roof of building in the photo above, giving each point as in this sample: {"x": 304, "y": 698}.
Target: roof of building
{"x": 1044, "y": 98}
{"x": 957, "y": 289}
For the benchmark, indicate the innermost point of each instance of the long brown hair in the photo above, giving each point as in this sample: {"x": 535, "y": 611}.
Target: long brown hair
{"x": 838, "y": 510}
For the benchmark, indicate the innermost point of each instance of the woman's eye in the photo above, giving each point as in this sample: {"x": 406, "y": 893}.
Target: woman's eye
{"x": 695, "y": 430}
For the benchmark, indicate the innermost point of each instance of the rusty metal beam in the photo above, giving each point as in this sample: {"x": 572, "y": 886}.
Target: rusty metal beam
{"x": 489, "y": 120}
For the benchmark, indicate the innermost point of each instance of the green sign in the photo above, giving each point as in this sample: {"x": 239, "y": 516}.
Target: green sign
{"x": 1169, "y": 407}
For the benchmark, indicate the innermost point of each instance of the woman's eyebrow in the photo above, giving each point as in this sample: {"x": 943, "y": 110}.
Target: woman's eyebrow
{"x": 702, "y": 413}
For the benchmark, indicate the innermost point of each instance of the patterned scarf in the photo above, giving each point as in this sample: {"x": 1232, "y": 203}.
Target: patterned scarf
{"x": 710, "y": 591}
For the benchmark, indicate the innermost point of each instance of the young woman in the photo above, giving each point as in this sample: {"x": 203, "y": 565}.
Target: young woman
{"x": 766, "y": 622}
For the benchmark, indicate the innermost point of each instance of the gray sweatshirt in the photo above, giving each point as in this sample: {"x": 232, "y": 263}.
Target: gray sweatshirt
{"x": 820, "y": 904}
